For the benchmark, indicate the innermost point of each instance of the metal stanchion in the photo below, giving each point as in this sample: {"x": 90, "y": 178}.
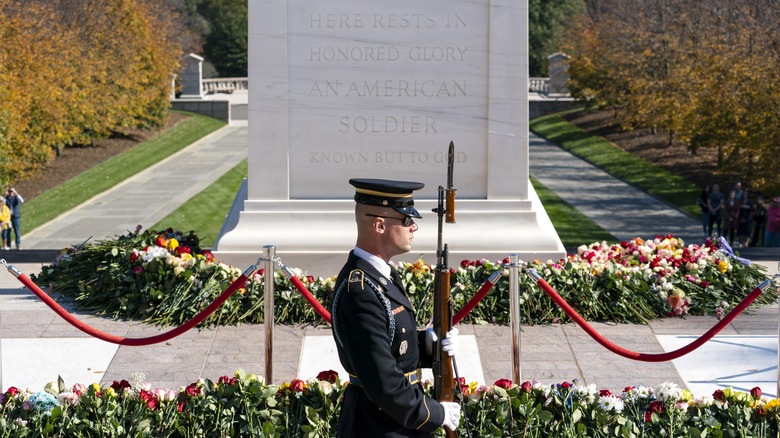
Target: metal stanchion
{"x": 269, "y": 252}
{"x": 514, "y": 315}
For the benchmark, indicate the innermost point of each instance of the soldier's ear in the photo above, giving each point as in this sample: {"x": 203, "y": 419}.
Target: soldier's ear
{"x": 378, "y": 225}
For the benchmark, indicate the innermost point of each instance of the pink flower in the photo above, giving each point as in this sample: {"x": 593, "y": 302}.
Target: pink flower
{"x": 756, "y": 392}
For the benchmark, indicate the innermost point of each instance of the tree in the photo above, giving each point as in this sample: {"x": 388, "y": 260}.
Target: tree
{"x": 705, "y": 71}
{"x": 547, "y": 20}
{"x": 227, "y": 39}
{"x": 74, "y": 70}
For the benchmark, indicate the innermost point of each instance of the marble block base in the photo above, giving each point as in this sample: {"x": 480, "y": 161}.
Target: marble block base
{"x": 316, "y": 235}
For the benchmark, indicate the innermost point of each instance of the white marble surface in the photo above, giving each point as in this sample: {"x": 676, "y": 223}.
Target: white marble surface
{"x": 76, "y": 360}
{"x": 740, "y": 362}
{"x": 319, "y": 354}
{"x": 379, "y": 88}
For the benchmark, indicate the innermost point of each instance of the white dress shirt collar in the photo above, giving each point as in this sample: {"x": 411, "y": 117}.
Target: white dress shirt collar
{"x": 375, "y": 261}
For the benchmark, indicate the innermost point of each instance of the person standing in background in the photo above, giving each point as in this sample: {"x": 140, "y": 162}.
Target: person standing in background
{"x": 731, "y": 217}
{"x": 773, "y": 224}
{"x": 745, "y": 219}
{"x": 14, "y": 201}
{"x": 5, "y": 223}
{"x": 705, "y": 210}
{"x": 759, "y": 222}
{"x": 715, "y": 205}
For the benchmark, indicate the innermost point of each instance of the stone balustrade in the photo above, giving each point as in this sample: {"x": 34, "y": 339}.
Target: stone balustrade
{"x": 539, "y": 85}
{"x": 224, "y": 85}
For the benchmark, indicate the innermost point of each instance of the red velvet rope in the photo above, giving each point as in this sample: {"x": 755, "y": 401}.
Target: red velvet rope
{"x": 133, "y": 341}
{"x": 473, "y": 302}
{"x": 324, "y": 314}
{"x": 648, "y": 357}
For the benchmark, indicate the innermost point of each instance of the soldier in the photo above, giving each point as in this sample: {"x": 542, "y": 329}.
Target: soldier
{"x": 374, "y": 324}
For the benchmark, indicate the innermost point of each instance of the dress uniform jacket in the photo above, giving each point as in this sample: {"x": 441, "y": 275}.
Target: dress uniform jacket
{"x": 379, "y": 346}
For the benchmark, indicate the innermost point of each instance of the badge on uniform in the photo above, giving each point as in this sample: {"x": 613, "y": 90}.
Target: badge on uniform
{"x": 402, "y": 349}
{"x": 383, "y": 281}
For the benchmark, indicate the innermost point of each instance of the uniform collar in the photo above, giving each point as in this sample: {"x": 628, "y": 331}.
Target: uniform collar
{"x": 375, "y": 261}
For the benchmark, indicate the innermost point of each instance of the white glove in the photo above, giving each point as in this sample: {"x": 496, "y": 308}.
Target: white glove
{"x": 450, "y": 342}
{"x": 451, "y": 415}
{"x": 430, "y": 339}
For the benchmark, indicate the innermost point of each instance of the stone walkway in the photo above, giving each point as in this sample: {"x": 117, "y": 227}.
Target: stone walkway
{"x": 619, "y": 208}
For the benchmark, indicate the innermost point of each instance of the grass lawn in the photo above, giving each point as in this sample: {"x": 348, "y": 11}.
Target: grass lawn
{"x": 637, "y": 171}
{"x": 573, "y": 227}
{"x": 52, "y": 203}
{"x": 205, "y": 212}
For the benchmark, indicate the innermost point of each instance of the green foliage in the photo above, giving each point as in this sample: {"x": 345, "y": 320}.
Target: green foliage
{"x": 107, "y": 174}
{"x": 705, "y": 72}
{"x": 244, "y": 405}
{"x": 164, "y": 278}
{"x": 674, "y": 189}
{"x": 547, "y": 21}
{"x": 227, "y": 40}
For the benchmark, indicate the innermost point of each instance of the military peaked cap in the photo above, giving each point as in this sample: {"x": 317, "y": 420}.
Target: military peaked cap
{"x": 386, "y": 193}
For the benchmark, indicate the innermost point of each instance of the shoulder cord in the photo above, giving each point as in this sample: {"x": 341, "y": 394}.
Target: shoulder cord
{"x": 382, "y": 298}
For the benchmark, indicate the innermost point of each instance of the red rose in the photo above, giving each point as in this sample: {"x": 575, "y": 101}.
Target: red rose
{"x": 565, "y": 385}
{"x": 503, "y": 383}
{"x": 297, "y": 385}
{"x": 655, "y": 406}
{"x": 628, "y": 389}
{"x": 465, "y": 263}
{"x": 183, "y": 250}
{"x": 151, "y": 404}
{"x": 756, "y": 392}
{"x": 505, "y": 261}
{"x": 12, "y": 391}
{"x": 192, "y": 390}
{"x": 160, "y": 241}
{"x": 718, "y": 395}
{"x": 309, "y": 279}
{"x": 525, "y": 386}
{"x": 119, "y": 387}
{"x": 180, "y": 406}
{"x": 705, "y": 283}
{"x": 604, "y": 393}
{"x": 209, "y": 256}
{"x": 133, "y": 257}
{"x": 138, "y": 270}
{"x": 328, "y": 376}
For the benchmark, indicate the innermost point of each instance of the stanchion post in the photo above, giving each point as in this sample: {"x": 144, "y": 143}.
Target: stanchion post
{"x": 514, "y": 315}
{"x": 269, "y": 252}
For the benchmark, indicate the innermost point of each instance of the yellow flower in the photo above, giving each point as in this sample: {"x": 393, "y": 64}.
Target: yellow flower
{"x": 772, "y": 405}
{"x": 95, "y": 387}
{"x": 418, "y": 267}
{"x": 723, "y": 266}
{"x": 172, "y": 244}
{"x": 111, "y": 393}
{"x": 186, "y": 257}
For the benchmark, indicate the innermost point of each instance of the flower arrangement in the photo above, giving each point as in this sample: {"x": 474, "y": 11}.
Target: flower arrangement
{"x": 165, "y": 278}
{"x": 243, "y": 405}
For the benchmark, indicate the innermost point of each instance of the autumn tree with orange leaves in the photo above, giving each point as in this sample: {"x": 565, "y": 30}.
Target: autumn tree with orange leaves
{"x": 707, "y": 72}
{"x": 72, "y": 71}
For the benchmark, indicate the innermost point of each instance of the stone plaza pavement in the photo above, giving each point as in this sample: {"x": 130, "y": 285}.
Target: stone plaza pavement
{"x": 36, "y": 344}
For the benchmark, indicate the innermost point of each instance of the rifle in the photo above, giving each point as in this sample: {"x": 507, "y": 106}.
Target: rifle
{"x": 442, "y": 306}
